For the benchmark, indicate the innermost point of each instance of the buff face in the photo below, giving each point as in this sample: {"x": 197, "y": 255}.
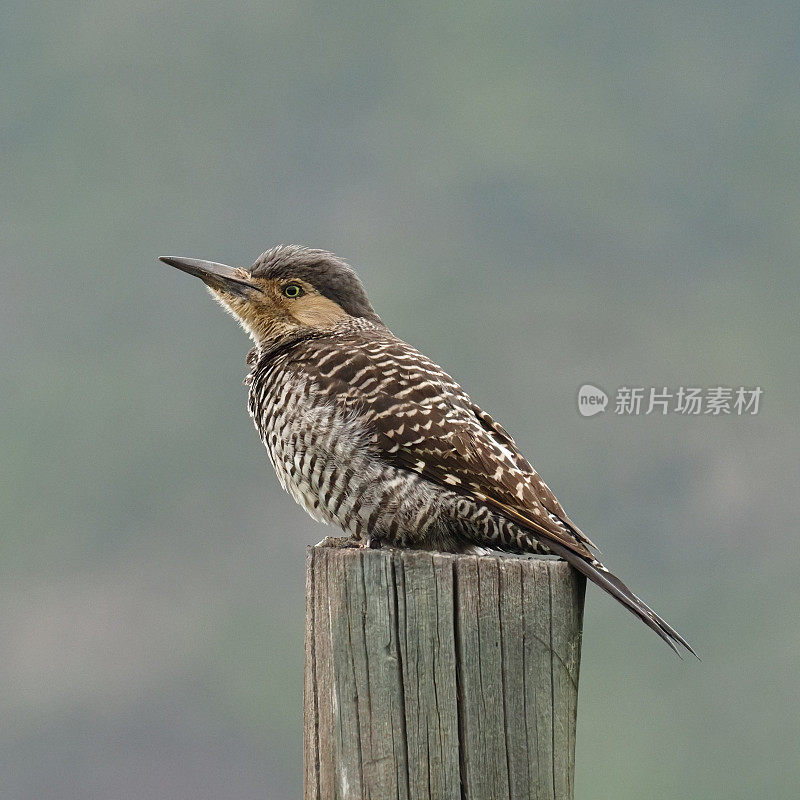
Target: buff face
{"x": 268, "y": 308}
{"x": 276, "y": 308}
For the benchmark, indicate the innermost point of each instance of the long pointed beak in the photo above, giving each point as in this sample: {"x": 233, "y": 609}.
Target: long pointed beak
{"x": 217, "y": 276}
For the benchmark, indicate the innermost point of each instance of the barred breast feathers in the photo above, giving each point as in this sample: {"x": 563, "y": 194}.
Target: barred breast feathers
{"x": 419, "y": 419}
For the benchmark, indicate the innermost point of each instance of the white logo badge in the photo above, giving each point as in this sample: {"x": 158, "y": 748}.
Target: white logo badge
{"x": 591, "y": 400}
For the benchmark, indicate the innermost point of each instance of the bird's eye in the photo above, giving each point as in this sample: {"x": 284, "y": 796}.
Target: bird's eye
{"x": 293, "y": 290}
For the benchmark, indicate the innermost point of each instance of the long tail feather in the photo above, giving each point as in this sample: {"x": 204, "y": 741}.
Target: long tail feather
{"x": 598, "y": 574}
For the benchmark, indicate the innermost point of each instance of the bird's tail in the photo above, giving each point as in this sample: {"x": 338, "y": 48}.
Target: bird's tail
{"x": 610, "y": 583}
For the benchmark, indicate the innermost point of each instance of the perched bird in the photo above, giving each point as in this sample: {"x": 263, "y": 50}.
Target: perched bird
{"x": 368, "y": 434}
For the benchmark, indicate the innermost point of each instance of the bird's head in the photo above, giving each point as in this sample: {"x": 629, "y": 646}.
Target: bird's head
{"x": 289, "y": 289}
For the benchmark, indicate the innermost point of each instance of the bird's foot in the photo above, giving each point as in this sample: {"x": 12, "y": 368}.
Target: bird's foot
{"x": 339, "y": 542}
{"x": 370, "y": 543}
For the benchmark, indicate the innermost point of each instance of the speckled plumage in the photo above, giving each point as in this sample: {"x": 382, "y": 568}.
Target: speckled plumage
{"x": 368, "y": 434}
{"x": 356, "y": 421}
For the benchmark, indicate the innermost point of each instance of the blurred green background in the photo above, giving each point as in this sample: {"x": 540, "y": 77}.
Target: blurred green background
{"x": 536, "y": 195}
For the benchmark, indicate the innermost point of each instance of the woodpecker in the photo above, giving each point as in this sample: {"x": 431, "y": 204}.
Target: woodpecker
{"x": 369, "y": 435}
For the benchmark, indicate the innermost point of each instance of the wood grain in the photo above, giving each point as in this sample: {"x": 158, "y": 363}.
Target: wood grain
{"x": 432, "y": 676}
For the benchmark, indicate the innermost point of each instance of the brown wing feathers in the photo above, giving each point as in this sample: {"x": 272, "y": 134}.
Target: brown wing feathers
{"x": 422, "y": 421}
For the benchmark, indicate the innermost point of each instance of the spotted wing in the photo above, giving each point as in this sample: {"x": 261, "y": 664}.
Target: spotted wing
{"x": 420, "y": 419}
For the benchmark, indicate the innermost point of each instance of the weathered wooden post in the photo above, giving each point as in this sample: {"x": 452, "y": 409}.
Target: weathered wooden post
{"x": 432, "y": 676}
